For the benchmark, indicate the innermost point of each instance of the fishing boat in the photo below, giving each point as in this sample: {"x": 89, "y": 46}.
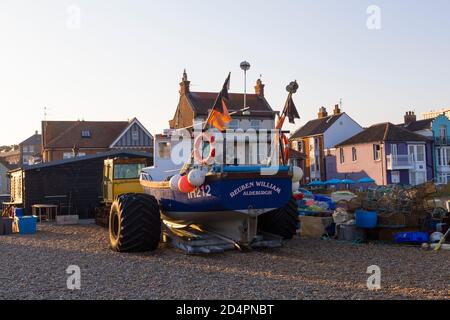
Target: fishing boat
{"x": 210, "y": 206}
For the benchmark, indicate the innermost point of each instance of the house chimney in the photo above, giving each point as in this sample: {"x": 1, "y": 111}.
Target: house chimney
{"x": 322, "y": 113}
{"x": 410, "y": 117}
{"x": 336, "y": 110}
{"x": 259, "y": 88}
{"x": 184, "y": 84}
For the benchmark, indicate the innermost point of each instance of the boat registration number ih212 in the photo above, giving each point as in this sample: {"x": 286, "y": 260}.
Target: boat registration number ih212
{"x": 201, "y": 192}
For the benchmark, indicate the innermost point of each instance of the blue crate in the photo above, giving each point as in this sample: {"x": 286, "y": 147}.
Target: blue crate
{"x": 412, "y": 237}
{"x": 27, "y": 224}
{"x": 366, "y": 219}
{"x": 18, "y": 212}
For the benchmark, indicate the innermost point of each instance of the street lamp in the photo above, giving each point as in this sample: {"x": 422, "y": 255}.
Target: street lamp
{"x": 245, "y": 66}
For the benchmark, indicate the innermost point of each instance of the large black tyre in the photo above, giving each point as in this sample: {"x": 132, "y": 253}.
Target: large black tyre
{"x": 134, "y": 223}
{"x": 282, "y": 222}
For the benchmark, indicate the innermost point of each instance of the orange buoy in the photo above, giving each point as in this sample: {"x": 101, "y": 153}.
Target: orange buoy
{"x": 184, "y": 186}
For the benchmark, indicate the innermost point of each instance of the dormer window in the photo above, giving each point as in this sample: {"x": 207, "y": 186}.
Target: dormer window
{"x": 86, "y": 134}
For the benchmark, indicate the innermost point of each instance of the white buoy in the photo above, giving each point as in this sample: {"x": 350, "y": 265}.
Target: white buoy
{"x": 174, "y": 182}
{"x": 196, "y": 177}
{"x": 297, "y": 174}
{"x": 295, "y": 186}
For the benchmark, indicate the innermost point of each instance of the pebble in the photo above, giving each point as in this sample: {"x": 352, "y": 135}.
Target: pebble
{"x": 34, "y": 267}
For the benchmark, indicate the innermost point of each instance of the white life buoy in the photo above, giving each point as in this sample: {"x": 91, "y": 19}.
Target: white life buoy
{"x": 198, "y": 148}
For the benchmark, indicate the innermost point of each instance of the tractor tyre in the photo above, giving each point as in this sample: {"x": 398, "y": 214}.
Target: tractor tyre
{"x": 134, "y": 223}
{"x": 282, "y": 222}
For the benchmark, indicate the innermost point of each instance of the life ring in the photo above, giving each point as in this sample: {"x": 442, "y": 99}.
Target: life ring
{"x": 285, "y": 142}
{"x": 198, "y": 148}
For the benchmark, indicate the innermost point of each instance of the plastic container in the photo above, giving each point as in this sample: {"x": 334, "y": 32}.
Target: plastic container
{"x": 327, "y": 200}
{"x": 18, "y": 212}
{"x": 349, "y": 232}
{"x": 411, "y": 237}
{"x": 366, "y": 219}
{"x": 27, "y": 224}
{"x": 5, "y": 226}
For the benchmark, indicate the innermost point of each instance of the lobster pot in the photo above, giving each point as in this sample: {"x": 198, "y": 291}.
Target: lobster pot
{"x": 397, "y": 219}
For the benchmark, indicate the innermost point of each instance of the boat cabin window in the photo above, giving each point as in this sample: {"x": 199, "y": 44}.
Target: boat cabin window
{"x": 164, "y": 150}
{"x": 128, "y": 171}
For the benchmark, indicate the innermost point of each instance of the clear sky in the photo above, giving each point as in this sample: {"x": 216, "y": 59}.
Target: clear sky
{"x": 123, "y": 59}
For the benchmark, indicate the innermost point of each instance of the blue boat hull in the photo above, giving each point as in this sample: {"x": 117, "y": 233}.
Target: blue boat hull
{"x": 255, "y": 193}
{"x": 228, "y": 204}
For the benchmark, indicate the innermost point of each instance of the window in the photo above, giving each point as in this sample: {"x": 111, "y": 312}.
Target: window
{"x": 85, "y": 134}
{"x": 421, "y": 153}
{"x": 255, "y": 124}
{"x": 376, "y": 152}
{"x": 394, "y": 151}
{"x": 316, "y": 143}
{"x": 354, "y": 155}
{"x": 442, "y": 132}
{"x": 417, "y": 152}
{"x": 164, "y": 150}
{"x": 25, "y": 149}
{"x": 317, "y": 161}
{"x": 128, "y": 171}
{"x": 395, "y": 177}
{"x": 135, "y": 135}
{"x": 234, "y": 124}
{"x": 70, "y": 155}
{"x": 341, "y": 155}
{"x": 301, "y": 146}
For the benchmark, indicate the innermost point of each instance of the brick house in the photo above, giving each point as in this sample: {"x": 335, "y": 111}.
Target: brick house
{"x": 68, "y": 139}
{"x": 317, "y": 138}
{"x": 194, "y": 107}
{"x": 388, "y": 154}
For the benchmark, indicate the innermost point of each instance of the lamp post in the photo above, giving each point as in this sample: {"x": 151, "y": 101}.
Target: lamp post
{"x": 245, "y": 66}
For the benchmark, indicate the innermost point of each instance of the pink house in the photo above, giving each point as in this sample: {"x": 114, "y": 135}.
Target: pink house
{"x": 386, "y": 153}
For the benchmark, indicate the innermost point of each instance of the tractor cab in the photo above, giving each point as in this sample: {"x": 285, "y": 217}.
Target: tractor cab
{"x": 120, "y": 176}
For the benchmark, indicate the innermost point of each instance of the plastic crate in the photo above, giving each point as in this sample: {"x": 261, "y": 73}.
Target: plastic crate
{"x": 366, "y": 219}
{"x": 412, "y": 237}
{"x": 18, "y": 212}
{"x": 27, "y": 224}
{"x": 5, "y": 226}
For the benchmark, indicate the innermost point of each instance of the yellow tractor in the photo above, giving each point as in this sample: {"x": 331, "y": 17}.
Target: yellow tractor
{"x": 120, "y": 176}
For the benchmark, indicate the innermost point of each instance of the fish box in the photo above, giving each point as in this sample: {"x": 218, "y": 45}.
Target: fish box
{"x": 27, "y": 224}
{"x": 314, "y": 227}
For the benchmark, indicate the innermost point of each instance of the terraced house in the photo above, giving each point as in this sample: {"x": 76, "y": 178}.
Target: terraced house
{"x": 436, "y": 127}
{"x": 387, "y": 153}
{"x": 317, "y": 138}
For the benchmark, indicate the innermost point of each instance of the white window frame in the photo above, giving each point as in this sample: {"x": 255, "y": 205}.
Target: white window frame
{"x": 395, "y": 177}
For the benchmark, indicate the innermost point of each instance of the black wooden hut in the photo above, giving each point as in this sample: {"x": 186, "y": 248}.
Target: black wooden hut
{"x": 75, "y": 184}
